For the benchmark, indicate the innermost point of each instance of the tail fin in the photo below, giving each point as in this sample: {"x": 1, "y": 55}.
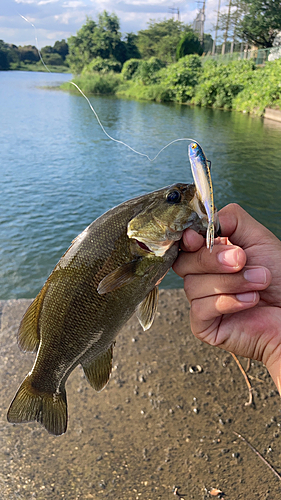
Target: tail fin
{"x": 49, "y": 409}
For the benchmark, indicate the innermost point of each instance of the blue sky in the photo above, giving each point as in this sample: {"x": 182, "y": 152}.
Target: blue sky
{"x": 57, "y": 19}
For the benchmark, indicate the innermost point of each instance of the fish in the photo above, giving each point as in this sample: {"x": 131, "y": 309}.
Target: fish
{"x": 111, "y": 270}
{"x": 203, "y": 182}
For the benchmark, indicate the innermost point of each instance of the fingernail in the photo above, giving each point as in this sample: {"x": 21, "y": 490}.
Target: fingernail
{"x": 257, "y": 275}
{"x": 229, "y": 257}
{"x": 247, "y": 297}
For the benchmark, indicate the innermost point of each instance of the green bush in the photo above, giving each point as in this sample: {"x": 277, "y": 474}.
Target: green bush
{"x": 129, "y": 68}
{"x": 219, "y": 83}
{"x": 102, "y": 66}
{"x": 95, "y": 83}
{"x": 147, "y": 70}
{"x": 264, "y": 90}
{"x": 175, "y": 82}
{"x": 181, "y": 78}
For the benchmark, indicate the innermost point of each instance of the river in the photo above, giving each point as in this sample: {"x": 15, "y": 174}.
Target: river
{"x": 59, "y": 171}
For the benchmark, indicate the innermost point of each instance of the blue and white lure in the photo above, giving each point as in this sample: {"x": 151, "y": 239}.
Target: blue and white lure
{"x": 203, "y": 182}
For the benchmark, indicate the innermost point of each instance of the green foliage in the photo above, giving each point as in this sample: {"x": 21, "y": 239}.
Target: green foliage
{"x": 160, "y": 39}
{"x": 102, "y": 66}
{"x": 52, "y": 59}
{"x": 28, "y": 54}
{"x": 219, "y": 84}
{"x": 189, "y": 44}
{"x": 61, "y": 48}
{"x": 146, "y": 72}
{"x": 93, "y": 40}
{"x": 264, "y": 90}
{"x": 181, "y": 78}
{"x": 129, "y": 68}
{"x": 96, "y": 83}
{"x": 4, "y": 56}
{"x": 131, "y": 46}
{"x": 261, "y": 22}
{"x": 175, "y": 82}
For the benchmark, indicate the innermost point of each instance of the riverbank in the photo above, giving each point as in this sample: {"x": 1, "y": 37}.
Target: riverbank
{"x": 237, "y": 85}
{"x": 166, "y": 420}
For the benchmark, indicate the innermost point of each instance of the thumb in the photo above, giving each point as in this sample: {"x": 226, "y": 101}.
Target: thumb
{"x": 241, "y": 229}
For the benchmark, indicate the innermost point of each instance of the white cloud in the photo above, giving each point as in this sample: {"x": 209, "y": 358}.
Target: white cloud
{"x": 62, "y": 18}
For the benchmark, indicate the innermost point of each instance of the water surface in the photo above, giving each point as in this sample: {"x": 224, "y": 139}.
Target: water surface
{"x": 59, "y": 171}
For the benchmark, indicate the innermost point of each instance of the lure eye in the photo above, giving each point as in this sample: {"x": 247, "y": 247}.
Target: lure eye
{"x": 194, "y": 145}
{"x": 174, "y": 197}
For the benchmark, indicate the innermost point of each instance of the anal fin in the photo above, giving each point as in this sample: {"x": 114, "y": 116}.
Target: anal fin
{"x": 99, "y": 370}
{"x": 147, "y": 308}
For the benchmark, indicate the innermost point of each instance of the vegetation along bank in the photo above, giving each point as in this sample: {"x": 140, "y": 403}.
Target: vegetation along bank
{"x": 238, "y": 85}
{"x": 164, "y": 63}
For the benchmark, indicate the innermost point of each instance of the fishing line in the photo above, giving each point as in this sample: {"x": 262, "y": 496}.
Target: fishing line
{"x": 36, "y": 41}
{"x": 96, "y": 115}
{"x": 124, "y": 143}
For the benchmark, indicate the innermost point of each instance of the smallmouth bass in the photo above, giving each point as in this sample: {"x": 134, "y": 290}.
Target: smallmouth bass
{"x": 110, "y": 271}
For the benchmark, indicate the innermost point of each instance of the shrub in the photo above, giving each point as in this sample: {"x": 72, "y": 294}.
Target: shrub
{"x": 102, "y": 66}
{"x": 147, "y": 70}
{"x": 95, "y": 83}
{"x": 264, "y": 90}
{"x": 129, "y": 68}
{"x": 219, "y": 83}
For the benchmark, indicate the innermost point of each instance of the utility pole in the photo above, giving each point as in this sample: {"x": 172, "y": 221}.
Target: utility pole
{"x": 217, "y": 27}
{"x": 226, "y": 28}
{"x": 174, "y": 10}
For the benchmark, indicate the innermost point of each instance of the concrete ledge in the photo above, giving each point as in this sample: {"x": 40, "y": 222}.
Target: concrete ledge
{"x": 272, "y": 114}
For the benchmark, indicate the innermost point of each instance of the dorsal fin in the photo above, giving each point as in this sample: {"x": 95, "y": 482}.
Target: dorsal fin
{"x": 147, "y": 308}
{"x": 99, "y": 370}
{"x": 28, "y": 334}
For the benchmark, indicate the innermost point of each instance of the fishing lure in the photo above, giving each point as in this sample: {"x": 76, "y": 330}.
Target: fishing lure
{"x": 203, "y": 182}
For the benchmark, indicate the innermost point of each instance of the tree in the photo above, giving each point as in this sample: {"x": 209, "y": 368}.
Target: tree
{"x": 131, "y": 40}
{"x": 253, "y": 21}
{"x": 160, "y": 39}
{"x": 189, "y": 44}
{"x": 4, "y": 58}
{"x": 261, "y": 22}
{"x": 28, "y": 54}
{"x": 61, "y": 48}
{"x": 81, "y": 46}
{"x": 101, "y": 39}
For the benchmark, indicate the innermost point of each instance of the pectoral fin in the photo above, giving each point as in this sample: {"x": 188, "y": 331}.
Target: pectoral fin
{"x": 147, "y": 308}
{"x": 121, "y": 276}
{"x": 99, "y": 370}
{"x": 28, "y": 334}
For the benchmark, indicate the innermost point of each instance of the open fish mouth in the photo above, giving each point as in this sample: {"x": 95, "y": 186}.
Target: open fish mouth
{"x": 143, "y": 246}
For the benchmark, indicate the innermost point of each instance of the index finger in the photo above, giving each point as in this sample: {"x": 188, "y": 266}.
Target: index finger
{"x": 223, "y": 259}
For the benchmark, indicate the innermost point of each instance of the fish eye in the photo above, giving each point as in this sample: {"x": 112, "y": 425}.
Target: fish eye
{"x": 194, "y": 145}
{"x": 173, "y": 197}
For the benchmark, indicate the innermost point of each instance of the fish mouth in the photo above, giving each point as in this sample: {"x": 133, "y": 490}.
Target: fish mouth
{"x": 143, "y": 246}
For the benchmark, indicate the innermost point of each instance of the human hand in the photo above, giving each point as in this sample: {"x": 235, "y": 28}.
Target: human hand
{"x": 235, "y": 292}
